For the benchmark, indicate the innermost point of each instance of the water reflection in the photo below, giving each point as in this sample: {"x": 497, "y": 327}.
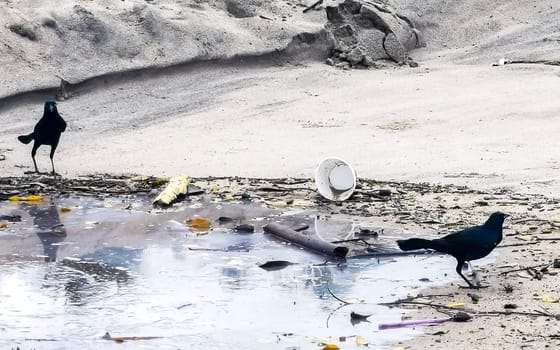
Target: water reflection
{"x": 50, "y": 230}
{"x": 236, "y": 278}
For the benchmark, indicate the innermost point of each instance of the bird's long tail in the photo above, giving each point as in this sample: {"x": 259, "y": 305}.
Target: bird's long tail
{"x": 417, "y": 243}
{"x": 26, "y": 138}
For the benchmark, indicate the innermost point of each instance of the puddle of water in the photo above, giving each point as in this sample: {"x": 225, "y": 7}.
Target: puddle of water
{"x": 135, "y": 273}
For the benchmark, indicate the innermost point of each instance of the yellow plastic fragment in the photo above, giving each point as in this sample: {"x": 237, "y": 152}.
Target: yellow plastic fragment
{"x": 25, "y": 199}
{"x": 361, "y": 341}
{"x": 65, "y": 210}
{"x": 3, "y": 224}
{"x": 456, "y": 305}
{"x": 278, "y": 204}
{"x": 302, "y": 203}
{"x": 549, "y": 300}
{"x": 158, "y": 181}
{"x": 199, "y": 224}
{"x": 331, "y": 347}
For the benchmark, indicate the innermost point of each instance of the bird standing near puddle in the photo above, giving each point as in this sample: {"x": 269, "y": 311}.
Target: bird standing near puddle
{"x": 469, "y": 244}
{"x": 47, "y": 131}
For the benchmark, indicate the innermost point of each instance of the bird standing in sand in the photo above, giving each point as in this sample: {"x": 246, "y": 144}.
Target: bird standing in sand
{"x": 46, "y": 132}
{"x": 469, "y": 244}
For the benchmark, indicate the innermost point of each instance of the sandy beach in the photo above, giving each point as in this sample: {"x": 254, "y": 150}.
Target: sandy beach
{"x": 455, "y": 119}
{"x": 474, "y": 125}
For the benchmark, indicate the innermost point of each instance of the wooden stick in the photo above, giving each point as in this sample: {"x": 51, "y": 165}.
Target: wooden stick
{"x": 542, "y": 267}
{"x": 315, "y": 4}
{"x": 312, "y": 242}
{"x": 517, "y": 244}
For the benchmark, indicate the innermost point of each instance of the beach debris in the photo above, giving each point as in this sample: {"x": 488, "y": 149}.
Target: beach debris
{"x": 329, "y": 342}
{"x": 245, "y": 228}
{"x": 508, "y": 288}
{"x": 524, "y": 274}
{"x": 335, "y": 179}
{"x": 65, "y": 210}
{"x": 361, "y": 341}
{"x": 331, "y": 347}
{"x": 384, "y": 192}
{"x": 458, "y": 317}
{"x": 503, "y": 61}
{"x": 11, "y": 218}
{"x": 510, "y": 306}
{"x": 456, "y": 305}
{"x": 360, "y": 241}
{"x": 3, "y": 224}
{"x": 368, "y": 232}
{"x": 278, "y": 204}
{"x": 547, "y": 299}
{"x": 356, "y": 318}
{"x": 312, "y": 6}
{"x": 199, "y": 224}
{"x": 177, "y": 186}
{"x": 302, "y": 203}
{"x": 108, "y": 336}
{"x": 440, "y": 333}
{"x": 32, "y": 198}
{"x": 224, "y": 220}
{"x": 312, "y": 242}
{"x": 275, "y": 265}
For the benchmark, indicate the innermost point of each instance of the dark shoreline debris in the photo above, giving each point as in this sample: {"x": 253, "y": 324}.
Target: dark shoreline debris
{"x": 311, "y": 242}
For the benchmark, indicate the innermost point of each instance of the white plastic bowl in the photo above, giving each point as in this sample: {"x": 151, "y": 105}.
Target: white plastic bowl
{"x": 335, "y": 179}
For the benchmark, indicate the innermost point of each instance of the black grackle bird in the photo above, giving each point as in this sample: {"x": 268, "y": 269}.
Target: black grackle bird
{"x": 469, "y": 244}
{"x": 47, "y": 132}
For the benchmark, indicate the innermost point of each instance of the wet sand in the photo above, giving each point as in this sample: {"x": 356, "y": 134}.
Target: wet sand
{"x": 531, "y": 236}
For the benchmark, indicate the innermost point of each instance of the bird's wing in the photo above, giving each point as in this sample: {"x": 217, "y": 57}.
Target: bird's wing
{"x": 61, "y": 124}
{"x": 475, "y": 237}
{"x": 40, "y": 125}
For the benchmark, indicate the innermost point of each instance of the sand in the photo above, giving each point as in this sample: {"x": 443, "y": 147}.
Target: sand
{"x": 474, "y": 125}
{"x": 454, "y": 119}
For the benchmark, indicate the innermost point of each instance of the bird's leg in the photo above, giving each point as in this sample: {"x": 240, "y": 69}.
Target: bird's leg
{"x": 52, "y": 162}
{"x": 475, "y": 277}
{"x": 459, "y": 270}
{"x": 473, "y": 273}
{"x": 33, "y": 153}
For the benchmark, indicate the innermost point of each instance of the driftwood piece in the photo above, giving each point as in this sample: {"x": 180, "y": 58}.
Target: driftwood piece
{"x": 314, "y": 5}
{"x": 504, "y": 61}
{"x": 312, "y": 242}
